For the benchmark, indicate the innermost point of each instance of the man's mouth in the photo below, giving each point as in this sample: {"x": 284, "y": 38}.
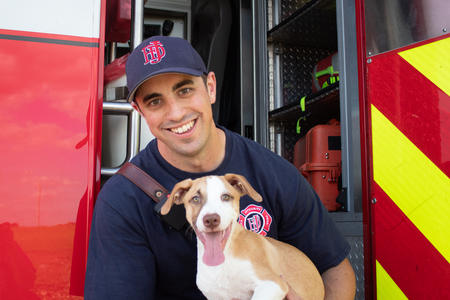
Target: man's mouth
{"x": 184, "y": 128}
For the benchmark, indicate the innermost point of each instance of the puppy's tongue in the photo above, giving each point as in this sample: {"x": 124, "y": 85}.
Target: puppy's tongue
{"x": 213, "y": 255}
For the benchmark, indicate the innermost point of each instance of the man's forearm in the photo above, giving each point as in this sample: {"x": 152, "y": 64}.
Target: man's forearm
{"x": 340, "y": 282}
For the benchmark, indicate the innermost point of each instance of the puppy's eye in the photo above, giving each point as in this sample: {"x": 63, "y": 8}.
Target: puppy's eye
{"x": 226, "y": 197}
{"x": 195, "y": 199}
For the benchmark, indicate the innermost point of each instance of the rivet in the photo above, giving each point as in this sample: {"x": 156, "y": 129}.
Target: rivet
{"x": 444, "y": 30}
{"x": 369, "y": 60}
{"x": 374, "y": 200}
{"x": 158, "y": 194}
{"x": 324, "y": 177}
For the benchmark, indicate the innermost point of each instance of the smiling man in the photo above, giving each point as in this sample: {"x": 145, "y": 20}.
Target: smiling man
{"x": 133, "y": 253}
{"x": 177, "y": 108}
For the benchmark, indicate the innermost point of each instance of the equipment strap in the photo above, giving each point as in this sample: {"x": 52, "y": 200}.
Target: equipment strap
{"x": 176, "y": 217}
{"x": 144, "y": 181}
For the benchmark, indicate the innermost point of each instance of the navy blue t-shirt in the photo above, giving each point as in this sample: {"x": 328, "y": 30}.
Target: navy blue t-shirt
{"x": 133, "y": 254}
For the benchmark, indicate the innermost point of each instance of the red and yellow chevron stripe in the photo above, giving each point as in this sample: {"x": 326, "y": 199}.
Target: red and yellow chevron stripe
{"x": 409, "y": 91}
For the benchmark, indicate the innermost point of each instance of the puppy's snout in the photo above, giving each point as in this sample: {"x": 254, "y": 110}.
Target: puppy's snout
{"x": 211, "y": 220}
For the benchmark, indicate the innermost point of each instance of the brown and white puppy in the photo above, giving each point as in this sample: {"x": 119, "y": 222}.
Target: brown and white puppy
{"x": 234, "y": 262}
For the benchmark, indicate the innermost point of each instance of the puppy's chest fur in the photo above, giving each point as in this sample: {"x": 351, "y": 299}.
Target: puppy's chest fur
{"x": 235, "y": 278}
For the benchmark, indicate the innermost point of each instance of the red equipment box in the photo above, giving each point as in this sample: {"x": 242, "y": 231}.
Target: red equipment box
{"x": 318, "y": 157}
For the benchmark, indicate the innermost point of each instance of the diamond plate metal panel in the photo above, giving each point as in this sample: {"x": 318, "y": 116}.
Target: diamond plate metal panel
{"x": 298, "y": 64}
{"x": 288, "y": 7}
{"x": 356, "y": 258}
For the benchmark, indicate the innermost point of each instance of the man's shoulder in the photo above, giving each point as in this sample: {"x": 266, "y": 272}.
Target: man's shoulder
{"x": 117, "y": 188}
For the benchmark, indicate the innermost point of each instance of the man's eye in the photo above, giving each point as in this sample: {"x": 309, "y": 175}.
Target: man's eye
{"x": 155, "y": 102}
{"x": 195, "y": 199}
{"x": 185, "y": 91}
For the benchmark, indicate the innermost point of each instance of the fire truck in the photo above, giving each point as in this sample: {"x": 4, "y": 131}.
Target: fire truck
{"x": 376, "y": 70}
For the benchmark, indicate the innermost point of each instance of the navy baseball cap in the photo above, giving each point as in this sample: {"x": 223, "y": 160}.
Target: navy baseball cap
{"x": 159, "y": 55}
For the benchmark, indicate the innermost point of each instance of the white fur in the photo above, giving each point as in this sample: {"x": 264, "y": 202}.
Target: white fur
{"x": 215, "y": 190}
{"x": 235, "y": 278}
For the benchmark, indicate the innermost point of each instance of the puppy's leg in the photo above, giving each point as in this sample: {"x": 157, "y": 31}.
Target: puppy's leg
{"x": 269, "y": 290}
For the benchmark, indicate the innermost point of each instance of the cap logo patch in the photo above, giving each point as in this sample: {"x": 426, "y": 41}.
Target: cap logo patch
{"x": 153, "y": 53}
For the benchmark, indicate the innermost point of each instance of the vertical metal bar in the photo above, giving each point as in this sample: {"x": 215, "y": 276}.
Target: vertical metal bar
{"x": 137, "y": 30}
{"x": 112, "y": 51}
{"x": 348, "y": 91}
{"x": 260, "y": 84}
{"x": 137, "y": 22}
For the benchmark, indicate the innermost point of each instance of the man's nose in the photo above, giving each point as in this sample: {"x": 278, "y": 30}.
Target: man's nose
{"x": 175, "y": 109}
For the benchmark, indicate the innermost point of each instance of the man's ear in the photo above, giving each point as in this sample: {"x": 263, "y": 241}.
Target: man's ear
{"x": 211, "y": 86}
{"x": 136, "y": 107}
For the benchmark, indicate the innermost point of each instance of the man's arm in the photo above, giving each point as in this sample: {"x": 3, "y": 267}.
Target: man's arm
{"x": 340, "y": 282}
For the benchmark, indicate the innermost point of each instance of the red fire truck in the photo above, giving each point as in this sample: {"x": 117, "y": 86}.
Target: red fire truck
{"x": 66, "y": 127}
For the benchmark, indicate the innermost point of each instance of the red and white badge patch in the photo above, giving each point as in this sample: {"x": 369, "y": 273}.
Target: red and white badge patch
{"x": 256, "y": 219}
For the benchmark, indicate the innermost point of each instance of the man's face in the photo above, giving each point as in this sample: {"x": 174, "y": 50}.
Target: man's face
{"x": 177, "y": 109}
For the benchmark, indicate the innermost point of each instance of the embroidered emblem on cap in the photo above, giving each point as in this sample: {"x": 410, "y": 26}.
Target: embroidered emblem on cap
{"x": 153, "y": 52}
{"x": 256, "y": 219}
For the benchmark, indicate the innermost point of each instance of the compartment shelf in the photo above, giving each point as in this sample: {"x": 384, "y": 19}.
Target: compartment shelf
{"x": 320, "y": 107}
{"x": 313, "y": 25}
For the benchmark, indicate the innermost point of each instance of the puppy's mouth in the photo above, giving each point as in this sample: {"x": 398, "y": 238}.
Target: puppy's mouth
{"x": 214, "y": 243}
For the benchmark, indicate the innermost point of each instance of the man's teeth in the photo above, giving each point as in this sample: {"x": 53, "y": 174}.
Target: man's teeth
{"x": 183, "y": 128}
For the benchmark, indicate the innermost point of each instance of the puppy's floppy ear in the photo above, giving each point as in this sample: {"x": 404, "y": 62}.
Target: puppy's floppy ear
{"x": 176, "y": 196}
{"x": 241, "y": 184}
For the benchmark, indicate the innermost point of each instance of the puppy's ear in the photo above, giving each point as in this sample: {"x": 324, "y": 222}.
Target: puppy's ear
{"x": 176, "y": 196}
{"x": 241, "y": 184}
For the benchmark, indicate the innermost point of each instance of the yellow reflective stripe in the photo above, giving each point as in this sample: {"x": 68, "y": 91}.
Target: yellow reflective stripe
{"x": 433, "y": 61}
{"x": 419, "y": 188}
{"x": 386, "y": 287}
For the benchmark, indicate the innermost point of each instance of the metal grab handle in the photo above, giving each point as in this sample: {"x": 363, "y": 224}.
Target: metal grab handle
{"x": 121, "y": 108}
{"x": 133, "y": 130}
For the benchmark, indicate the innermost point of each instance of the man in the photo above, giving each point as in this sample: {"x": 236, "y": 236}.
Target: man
{"x": 132, "y": 253}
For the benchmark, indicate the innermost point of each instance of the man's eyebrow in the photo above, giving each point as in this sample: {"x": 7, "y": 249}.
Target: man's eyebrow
{"x": 174, "y": 88}
{"x": 150, "y": 96}
{"x": 182, "y": 83}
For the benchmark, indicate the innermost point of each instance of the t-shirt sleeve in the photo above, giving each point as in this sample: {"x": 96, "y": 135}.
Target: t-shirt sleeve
{"x": 120, "y": 263}
{"x": 306, "y": 224}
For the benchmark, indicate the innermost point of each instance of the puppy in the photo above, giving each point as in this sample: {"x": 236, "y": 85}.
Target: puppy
{"x": 234, "y": 262}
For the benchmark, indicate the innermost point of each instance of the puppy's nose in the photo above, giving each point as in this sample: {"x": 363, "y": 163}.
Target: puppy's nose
{"x": 211, "y": 221}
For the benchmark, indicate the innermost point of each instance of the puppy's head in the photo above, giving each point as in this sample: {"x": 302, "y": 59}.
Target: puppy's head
{"x": 212, "y": 206}
{"x": 211, "y": 194}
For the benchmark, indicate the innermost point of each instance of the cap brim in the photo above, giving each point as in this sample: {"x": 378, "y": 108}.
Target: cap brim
{"x": 187, "y": 71}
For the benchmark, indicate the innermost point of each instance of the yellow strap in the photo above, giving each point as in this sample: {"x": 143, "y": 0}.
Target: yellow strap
{"x": 327, "y": 71}
{"x": 332, "y": 79}
{"x": 298, "y": 124}
{"x": 303, "y": 107}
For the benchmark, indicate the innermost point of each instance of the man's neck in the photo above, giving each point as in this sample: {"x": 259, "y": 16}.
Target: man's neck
{"x": 207, "y": 160}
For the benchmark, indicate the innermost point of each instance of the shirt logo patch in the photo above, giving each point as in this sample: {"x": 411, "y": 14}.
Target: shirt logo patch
{"x": 153, "y": 52}
{"x": 256, "y": 219}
